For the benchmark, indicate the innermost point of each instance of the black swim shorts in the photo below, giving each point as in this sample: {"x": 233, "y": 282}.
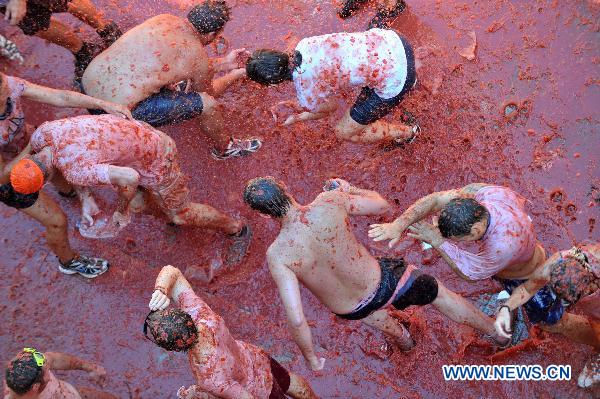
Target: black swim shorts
{"x": 281, "y": 380}
{"x": 16, "y": 200}
{"x": 38, "y": 14}
{"x": 369, "y": 107}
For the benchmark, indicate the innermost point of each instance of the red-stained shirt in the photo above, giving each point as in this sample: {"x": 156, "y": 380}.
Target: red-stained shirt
{"x": 222, "y": 365}
{"x": 84, "y": 147}
{"x": 509, "y": 240}
{"x": 12, "y": 126}
{"x": 375, "y": 58}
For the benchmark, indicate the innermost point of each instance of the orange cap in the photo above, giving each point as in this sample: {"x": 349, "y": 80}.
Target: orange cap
{"x": 26, "y": 177}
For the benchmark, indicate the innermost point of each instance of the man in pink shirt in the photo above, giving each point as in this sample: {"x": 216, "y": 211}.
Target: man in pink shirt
{"x": 29, "y": 376}
{"x": 223, "y": 367}
{"x": 495, "y": 217}
{"x": 139, "y": 161}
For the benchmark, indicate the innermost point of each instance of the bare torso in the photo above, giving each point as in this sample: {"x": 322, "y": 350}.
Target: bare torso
{"x": 525, "y": 270}
{"x": 161, "y": 51}
{"x": 318, "y": 245}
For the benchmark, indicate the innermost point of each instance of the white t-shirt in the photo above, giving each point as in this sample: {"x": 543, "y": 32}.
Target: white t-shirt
{"x": 375, "y": 58}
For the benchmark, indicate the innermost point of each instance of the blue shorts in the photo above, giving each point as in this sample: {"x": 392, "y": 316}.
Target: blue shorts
{"x": 545, "y": 307}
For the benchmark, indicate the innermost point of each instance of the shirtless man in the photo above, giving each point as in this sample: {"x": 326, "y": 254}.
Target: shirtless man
{"x": 143, "y": 68}
{"x": 572, "y": 275}
{"x": 29, "y": 376}
{"x": 387, "y": 11}
{"x": 138, "y": 160}
{"x": 496, "y": 218}
{"x": 34, "y": 17}
{"x": 322, "y": 67}
{"x": 14, "y": 140}
{"x": 316, "y": 247}
{"x": 223, "y": 367}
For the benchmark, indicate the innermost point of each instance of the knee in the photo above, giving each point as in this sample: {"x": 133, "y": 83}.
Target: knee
{"x": 343, "y": 132}
{"x": 57, "y": 221}
{"x": 209, "y": 104}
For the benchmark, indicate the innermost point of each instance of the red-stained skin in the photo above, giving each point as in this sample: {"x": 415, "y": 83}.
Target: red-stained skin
{"x": 465, "y": 139}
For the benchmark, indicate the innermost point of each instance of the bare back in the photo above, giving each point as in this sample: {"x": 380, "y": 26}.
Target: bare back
{"x": 161, "y": 51}
{"x": 318, "y": 245}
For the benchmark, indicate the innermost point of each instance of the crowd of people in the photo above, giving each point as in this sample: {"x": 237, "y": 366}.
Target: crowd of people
{"x": 159, "y": 73}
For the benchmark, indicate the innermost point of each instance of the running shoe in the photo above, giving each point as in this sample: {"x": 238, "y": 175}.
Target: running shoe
{"x": 85, "y": 266}
{"x": 385, "y": 16}
{"x": 238, "y": 148}
{"x": 239, "y": 246}
{"x": 110, "y": 33}
{"x": 590, "y": 375}
{"x": 350, "y": 7}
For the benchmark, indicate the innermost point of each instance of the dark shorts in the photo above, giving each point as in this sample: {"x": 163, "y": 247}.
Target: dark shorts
{"x": 545, "y": 306}
{"x": 281, "y": 380}
{"x": 417, "y": 288}
{"x": 38, "y": 14}
{"x": 165, "y": 108}
{"x": 369, "y": 107}
{"x": 9, "y": 197}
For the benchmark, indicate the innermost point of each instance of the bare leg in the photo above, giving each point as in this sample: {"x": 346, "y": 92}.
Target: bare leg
{"x": 88, "y": 13}
{"x": 211, "y": 121}
{"x": 221, "y": 84}
{"x": 349, "y": 130}
{"x": 382, "y": 320}
{"x": 194, "y": 214}
{"x": 462, "y": 311}
{"x": 89, "y": 393}
{"x": 49, "y": 214}
{"x": 575, "y": 327}
{"x": 299, "y": 388}
{"x": 61, "y": 34}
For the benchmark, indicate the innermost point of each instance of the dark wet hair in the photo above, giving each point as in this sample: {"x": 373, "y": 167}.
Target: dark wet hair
{"x": 459, "y": 215}
{"x": 22, "y": 372}
{"x": 209, "y": 16}
{"x": 269, "y": 67}
{"x": 172, "y": 329}
{"x": 266, "y": 195}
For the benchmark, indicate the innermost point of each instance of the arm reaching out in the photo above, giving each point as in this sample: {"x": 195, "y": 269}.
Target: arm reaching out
{"x": 169, "y": 284}
{"x": 66, "y": 98}
{"x": 62, "y": 361}
{"x": 358, "y": 201}
{"x": 289, "y": 290}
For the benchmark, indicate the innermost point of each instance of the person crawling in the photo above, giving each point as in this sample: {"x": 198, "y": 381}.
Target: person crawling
{"x": 223, "y": 366}
{"x": 160, "y": 70}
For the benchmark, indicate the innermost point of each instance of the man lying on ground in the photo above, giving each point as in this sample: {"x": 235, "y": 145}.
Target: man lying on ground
{"x": 223, "y": 366}
{"x": 143, "y": 70}
{"x": 316, "y": 247}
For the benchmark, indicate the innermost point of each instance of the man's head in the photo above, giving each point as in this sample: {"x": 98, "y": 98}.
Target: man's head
{"x": 209, "y": 18}
{"x": 463, "y": 219}
{"x": 172, "y": 329}
{"x": 24, "y": 374}
{"x": 269, "y": 67}
{"x": 268, "y": 196}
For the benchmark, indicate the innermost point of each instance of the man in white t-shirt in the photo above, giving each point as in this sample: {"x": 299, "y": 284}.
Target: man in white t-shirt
{"x": 378, "y": 60}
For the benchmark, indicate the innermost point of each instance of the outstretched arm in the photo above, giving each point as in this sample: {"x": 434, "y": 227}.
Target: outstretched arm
{"x": 62, "y": 361}
{"x": 323, "y": 111}
{"x": 169, "y": 284}
{"x": 289, "y": 290}
{"x": 66, "y": 98}
{"x": 359, "y": 202}
{"x": 416, "y": 212}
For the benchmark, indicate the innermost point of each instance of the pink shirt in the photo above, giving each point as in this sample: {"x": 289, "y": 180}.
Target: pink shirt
{"x": 509, "y": 240}
{"x": 54, "y": 389}
{"x": 223, "y": 366}
{"x": 12, "y": 126}
{"x": 83, "y": 147}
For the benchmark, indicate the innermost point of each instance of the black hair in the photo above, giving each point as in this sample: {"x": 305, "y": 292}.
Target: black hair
{"x": 172, "y": 329}
{"x": 459, "y": 215}
{"x": 209, "y": 16}
{"x": 269, "y": 67}
{"x": 22, "y": 372}
{"x": 10, "y": 197}
{"x": 267, "y": 196}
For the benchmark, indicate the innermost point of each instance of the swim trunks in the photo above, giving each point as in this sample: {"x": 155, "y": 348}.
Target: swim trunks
{"x": 370, "y": 107}
{"x": 400, "y": 286}
{"x": 165, "y": 108}
{"x": 38, "y": 14}
{"x": 281, "y": 380}
{"x": 9, "y": 197}
{"x": 544, "y": 307}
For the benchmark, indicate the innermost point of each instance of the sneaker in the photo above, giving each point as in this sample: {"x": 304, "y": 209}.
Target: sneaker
{"x": 239, "y": 246}
{"x": 85, "y": 266}
{"x": 350, "y": 7}
{"x": 385, "y": 16}
{"x": 238, "y": 148}
{"x": 110, "y": 34}
{"x": 590, "y": 375}
{"x": 84, "y": 56}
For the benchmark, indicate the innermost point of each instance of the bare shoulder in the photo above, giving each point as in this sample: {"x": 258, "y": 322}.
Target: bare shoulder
{"x": 473, "y": 188}
{"x": 334, "y": 198}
